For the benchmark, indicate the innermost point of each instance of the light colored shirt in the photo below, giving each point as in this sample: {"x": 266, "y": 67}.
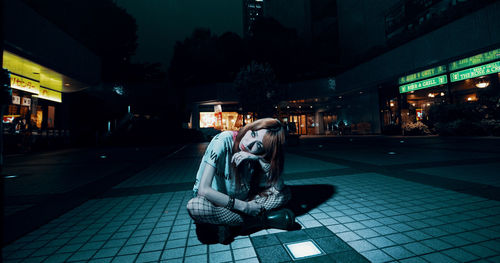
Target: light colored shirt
{"x": 218, "y": 154}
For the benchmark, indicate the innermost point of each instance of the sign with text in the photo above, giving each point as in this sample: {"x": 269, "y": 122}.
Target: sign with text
{"x": 476, "y": 72}
{"x": 423, "y": 74}
{"x": 24, "y": 84}
{"x": 436, "y": 81}
{"x": 26, "y": 101}
{"x": 16, "y": 100}
{"x": 420, "y": 114}
{"x": 51, "y": 95}
{"x": 475, "y": 60}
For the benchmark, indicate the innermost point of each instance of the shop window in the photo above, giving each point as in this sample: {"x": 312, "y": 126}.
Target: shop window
{"x": 311, "y": 125}
{"x": 329, "y": 122}
{"x": 38, "y": 117}
{"x": 298, "y": 123}
{"x": 419, "y": 102}
{"x": 222, "y": 120}
{"x": 51, "y": 112}
{"x": 389, "y": 101}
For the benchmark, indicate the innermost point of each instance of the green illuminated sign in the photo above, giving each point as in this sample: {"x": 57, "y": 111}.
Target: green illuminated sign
{"x": 476, "y": 72}
{"x": 423, "y": 74}
{"x": 475, "y": 60}
{"x": 436, "y": 81}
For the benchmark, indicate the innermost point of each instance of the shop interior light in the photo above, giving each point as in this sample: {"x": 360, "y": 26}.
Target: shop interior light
{"x": 392, "y": 104}
{"x": 431, "y": 95}
{"x": 469, "y": 99}
{"x": 482, "y": 83}
{"x": 442, "y": 93}
{"x": 311, "y": 107}
{"x": 304, "y": 249}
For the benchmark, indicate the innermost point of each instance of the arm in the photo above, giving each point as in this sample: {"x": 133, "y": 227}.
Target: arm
{"x": 241, "y": 156}
{"x": 205, "y": 189}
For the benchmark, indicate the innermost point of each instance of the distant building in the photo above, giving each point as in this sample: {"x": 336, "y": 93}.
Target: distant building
{"x": 252, "y": 9}
{"x": 310, "y": 18}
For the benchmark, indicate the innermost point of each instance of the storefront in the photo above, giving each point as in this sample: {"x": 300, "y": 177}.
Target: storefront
{"x": 466, "y": 80}
{"x": 36, "y": 113}
{"x": 36, "y": 96}
{"x": 222, "y": 117}
{"x": 308, "y": 116}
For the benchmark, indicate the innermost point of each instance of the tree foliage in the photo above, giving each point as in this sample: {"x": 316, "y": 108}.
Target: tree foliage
{"x": 206, "y": 58}
{"x": 257, "y": 90}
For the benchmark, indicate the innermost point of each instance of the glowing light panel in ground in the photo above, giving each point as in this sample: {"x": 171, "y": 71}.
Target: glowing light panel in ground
{"x": 303, "y": 249}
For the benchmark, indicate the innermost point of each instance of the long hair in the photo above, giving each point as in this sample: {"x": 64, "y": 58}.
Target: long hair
{"x": 273, "y": 145}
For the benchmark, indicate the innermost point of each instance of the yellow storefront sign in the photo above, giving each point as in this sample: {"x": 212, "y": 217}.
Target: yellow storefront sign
{"x": 24, "y": 84}
{"x": 51, "y": 95}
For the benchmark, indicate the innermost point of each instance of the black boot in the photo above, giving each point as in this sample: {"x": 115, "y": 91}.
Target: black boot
{"x": 280, "y": 219}
{"x": 212, "y": 234}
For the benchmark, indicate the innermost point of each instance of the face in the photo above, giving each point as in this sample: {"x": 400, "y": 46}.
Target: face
{"x": 252, "y": 142}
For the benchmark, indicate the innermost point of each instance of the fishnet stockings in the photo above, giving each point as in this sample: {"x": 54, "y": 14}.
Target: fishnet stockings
{"x": 204, "y": 211}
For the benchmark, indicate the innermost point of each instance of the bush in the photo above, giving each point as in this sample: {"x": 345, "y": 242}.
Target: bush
{"x": 491, "y": 126}
{"x": 461, "y": 128}
{"x": 417, "y": 128}
{"x": 470, "y": 119}
{"x": 445, "y": 113}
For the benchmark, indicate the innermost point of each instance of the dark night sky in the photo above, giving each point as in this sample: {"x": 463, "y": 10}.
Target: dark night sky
{"x": 163, "y": 22}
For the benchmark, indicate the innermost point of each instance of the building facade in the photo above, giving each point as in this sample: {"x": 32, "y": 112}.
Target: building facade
{"x": 252, "y": 10}
{"x": 427, "y": 53}
{"x": 45, "y": 64}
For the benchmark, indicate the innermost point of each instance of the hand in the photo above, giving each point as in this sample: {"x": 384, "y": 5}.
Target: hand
{"x": 253, "y": 208}
{"x": 241, "y": 156}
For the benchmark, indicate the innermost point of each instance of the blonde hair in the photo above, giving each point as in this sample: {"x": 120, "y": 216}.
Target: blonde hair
{"x": 273, "y": 142}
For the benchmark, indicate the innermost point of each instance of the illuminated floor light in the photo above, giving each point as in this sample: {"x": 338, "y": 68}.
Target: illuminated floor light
{"x": 303, "y": 249}
{"x": 10, "y": 176}
{"x": 391, "y": 153}
{"x": 103, "y": 156}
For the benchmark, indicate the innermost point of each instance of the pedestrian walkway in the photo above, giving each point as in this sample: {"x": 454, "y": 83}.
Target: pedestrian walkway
{"x": 376, "y": 212}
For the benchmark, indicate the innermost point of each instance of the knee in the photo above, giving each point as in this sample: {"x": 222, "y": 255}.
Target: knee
{"x": 194, "y": 205}
{"x": 191, "y": 205}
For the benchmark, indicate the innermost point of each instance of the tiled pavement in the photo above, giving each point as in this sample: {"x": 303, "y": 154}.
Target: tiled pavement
{"x": 372, "y": 215}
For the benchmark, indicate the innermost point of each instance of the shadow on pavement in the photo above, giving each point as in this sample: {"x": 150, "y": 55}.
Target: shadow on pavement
{"x": 307, "y": 197}
{"x": 304, "y": 199}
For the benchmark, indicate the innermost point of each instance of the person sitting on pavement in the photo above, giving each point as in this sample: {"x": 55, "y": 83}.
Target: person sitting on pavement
{"x": 239, "y": 181}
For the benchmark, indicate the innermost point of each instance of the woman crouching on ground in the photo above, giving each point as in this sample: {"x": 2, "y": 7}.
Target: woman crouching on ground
{"x": 239, "y": 181}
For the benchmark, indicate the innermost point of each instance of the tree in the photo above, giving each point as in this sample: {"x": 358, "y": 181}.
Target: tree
{"x": 257, "y": 90}
{"x": 206, "y": 58}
